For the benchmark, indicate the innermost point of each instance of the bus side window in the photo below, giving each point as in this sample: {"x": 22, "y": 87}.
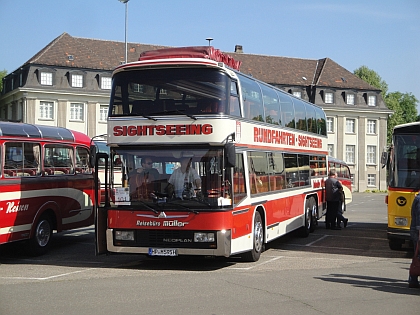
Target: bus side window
{"x": 22, "y": 159}
{"x": 82, "y": 158}
{"x": 58, "y": 160}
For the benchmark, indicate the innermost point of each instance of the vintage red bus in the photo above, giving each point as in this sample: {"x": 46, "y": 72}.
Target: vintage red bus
{"x": 46, "y": 183}
{"x": 249, "y": 146}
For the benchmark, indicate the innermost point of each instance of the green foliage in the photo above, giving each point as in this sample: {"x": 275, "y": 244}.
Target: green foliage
{"x": 404, "y": 105}
{"x": 372, "y": 78}
{"x": 2, "y": 75}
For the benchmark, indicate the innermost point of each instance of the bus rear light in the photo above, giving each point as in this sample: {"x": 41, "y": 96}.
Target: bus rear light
{"x": 201, "y": 237}
{"x": 386, "y": 199}
{"x": 124, "y": 235}
{"x": 401, "y": 221}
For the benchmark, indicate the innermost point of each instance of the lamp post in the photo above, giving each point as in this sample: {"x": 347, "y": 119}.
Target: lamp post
{"x": 125, "y": 33}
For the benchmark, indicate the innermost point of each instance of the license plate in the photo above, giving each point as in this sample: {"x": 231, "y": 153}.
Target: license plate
{"x": 163, "y": 252}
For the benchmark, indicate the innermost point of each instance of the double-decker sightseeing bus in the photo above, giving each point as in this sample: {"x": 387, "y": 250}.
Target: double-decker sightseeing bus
{"x": 403, "y": 164}
{"x": 213, "y": 161}
{"x": 46, "y": 183}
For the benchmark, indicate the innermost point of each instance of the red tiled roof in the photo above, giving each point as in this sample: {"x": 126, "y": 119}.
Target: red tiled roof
{"x": 106, "y": 55}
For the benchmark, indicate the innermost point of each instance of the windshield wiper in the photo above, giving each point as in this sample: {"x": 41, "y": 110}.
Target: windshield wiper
{"x": 147, "y": 206}
{"x": 149, "y": 117}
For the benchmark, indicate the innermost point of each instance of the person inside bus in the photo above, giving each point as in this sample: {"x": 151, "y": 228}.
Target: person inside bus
{"x": 143, "y": 179}
{"x": 333, "y": 190}
{"x": 185, "y": 183}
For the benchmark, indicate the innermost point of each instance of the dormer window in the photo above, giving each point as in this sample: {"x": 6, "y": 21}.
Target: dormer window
{"x": 350, "y": 99}
{"x": 46, "y": 78}
{"x": 297, "y": 94}
{"x": 105, "y": 83}
{"x": 372, "y": 100}
{"x": 77, "y": 80}
{"x": 329, "y": 98}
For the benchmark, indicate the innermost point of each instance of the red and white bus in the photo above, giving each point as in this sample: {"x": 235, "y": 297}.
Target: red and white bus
{"x": 46, "y": 183}
{"x": 252, "y": 145}
{"x": 344, "y": 176}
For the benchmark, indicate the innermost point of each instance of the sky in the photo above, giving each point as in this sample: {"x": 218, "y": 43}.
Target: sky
{"x": 383, "y": 35}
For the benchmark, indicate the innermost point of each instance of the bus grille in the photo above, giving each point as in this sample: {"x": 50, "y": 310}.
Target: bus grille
{"x": 170, "y": 239}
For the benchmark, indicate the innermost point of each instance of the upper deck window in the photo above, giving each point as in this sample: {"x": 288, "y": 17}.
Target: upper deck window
{"x": 170, "y": 92}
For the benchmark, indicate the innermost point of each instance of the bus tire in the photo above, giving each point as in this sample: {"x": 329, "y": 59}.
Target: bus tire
{"x": 395, "y": 244}
{"x": 40, "y": 243}
{"x": 257, "y": 240}
{"x": 309, "y": 221}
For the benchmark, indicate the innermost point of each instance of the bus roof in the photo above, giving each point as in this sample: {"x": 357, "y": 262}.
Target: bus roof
{"x": 413, "y": 127}
{"x": 206, "y": 52}
{"x": 39, "y": 131}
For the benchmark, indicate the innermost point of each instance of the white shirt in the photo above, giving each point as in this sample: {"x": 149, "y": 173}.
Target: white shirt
{"x": 177, "y": 179}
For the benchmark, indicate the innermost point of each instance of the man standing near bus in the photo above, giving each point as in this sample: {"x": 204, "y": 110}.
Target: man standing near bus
{"x": 413, "y": 281}
{"x": 333, "y": 190}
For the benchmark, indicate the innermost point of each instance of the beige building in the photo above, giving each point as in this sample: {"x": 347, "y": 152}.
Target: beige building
{"x": 68, "y": 84}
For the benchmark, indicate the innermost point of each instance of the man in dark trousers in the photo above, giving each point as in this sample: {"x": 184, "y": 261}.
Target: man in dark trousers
{"x": 333, "y": 190}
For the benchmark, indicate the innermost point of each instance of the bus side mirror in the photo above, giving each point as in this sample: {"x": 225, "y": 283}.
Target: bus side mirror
{"x": 92, "y": 158}
{"x": 384, "y": 159}
{"x": 230, "y": 154}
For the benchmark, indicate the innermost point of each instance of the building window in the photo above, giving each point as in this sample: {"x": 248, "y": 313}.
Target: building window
{"x": 77, "y": 111}
{"x": 331, "y": 149}
{"x": 371, "y": 126}
{"x": 46, "y": 78}
{"x": 105, "y": 83}
{"x": 350, "y": 99}
{"x": 330, "y": 124}
{"x": 297, "y": 94}
{"x": 350, "y": 154}
{"x": 329, "y": 98}
{"x": 371, "y": 154}
{"x": 371, "y": 180}
{"x": 350, "y": 123}
{"x": 138, "y": 88}
{"x": 372, "y": 100}
{"x": 77, "y": 80}
{"x": 46, "y": 110}
{"x": 103, "y": 113}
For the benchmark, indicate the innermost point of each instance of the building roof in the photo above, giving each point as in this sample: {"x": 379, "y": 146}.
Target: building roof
{"x": 77, "y": 52}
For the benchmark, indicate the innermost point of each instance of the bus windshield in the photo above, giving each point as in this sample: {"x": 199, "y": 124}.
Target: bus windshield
{"x": 169, "y": 91}
{"x": 177, "y": 179}
{"x": 406, "y": 162}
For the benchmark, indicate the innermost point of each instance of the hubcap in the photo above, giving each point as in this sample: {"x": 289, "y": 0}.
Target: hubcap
{"x": 43, "y": 233}
{"x": 258, "y": 241}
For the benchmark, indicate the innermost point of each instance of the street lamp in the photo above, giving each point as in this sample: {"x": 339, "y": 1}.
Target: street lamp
{"x": 126, "y": 10}
{"x": 209, "y": 39}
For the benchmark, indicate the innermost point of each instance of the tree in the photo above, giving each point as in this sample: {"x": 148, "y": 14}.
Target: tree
{"x": 404, "y": 105}
{"x": 372, "y": 78}
{"x": 2, "y": 75}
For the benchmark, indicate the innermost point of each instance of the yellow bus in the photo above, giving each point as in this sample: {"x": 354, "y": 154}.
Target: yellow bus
{"x": 403, "y": 163}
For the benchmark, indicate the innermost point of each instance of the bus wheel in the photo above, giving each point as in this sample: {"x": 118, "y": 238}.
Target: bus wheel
{"x": 258, "y": 240}
{"x": 309, "y": 226}
{"x": 395, "y": 244}
{"x": 314, "y": 210}
{"x": 41, "y": 241}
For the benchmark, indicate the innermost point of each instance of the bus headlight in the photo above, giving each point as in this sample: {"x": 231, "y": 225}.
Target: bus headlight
{"x": 124, "y": 235}
{"x": 201, "y": 237}
{"x": 401, "y": 221}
